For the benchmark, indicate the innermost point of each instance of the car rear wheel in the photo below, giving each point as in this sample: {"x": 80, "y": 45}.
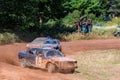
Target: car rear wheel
{"x": 51, "y": 68}
{"x": 60, "y": 50}
{"x": 23, "y": 63}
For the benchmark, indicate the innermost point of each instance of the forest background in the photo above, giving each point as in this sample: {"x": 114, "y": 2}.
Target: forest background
{"x": 24, "y": 20}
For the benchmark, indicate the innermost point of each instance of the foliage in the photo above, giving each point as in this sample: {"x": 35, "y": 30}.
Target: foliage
{"x": 110, "y": 7}
{"x": 6, "y": 38}
{"x": 70, "y": 18}
{"x": 84, "y": 6}
{"x": 26, "y": 14}
{"x": 43, "y": 17}
{"x": 91, "y": 15}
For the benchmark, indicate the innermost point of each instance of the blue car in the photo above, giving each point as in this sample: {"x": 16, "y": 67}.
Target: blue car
{"x": 47, "y": 58}
{"x": 45, "y": 42}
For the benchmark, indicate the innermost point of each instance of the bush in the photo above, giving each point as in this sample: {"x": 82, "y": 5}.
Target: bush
{"x": 6, "y": 38}
{"x": 51, "y": 22}
{"x": 91, "y": 16}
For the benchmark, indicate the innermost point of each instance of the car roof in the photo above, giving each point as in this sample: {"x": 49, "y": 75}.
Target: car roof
{"x": 39, "y": 39}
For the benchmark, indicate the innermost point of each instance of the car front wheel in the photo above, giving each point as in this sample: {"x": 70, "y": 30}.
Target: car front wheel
{"x": 23, "y": 63}
{"x": 51, "y": 68}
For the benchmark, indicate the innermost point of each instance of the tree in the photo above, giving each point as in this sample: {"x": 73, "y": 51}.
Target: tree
{"x": 25, "y": 14}
{"x": 84, "y": 6}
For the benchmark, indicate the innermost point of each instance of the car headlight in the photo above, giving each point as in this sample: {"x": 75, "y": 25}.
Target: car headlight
{"x": 27, "y": 45}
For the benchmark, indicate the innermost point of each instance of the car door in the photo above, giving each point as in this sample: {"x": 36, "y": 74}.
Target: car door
{"x": 30, "y": 57}
{"x": 40, "y": 59}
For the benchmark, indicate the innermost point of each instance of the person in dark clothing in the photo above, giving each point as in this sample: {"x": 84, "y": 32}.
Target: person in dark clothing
{"x": 83, "y": 25}
{"x": 89, "y": 26}
{"x": 77, "y": 23}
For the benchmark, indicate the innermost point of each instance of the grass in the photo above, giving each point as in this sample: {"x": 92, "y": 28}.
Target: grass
{"x": 99, "y": 65}
{"x": 97, "y": 33}
{"x": 113, "y": 22}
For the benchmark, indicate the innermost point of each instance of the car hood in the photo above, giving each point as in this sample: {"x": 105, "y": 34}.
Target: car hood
{"x": 22, "y": 53}
{"x": 63, "y": 59}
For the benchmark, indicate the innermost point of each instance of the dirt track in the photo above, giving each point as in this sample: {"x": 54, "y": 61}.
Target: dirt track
{"x": 10, "y": 69}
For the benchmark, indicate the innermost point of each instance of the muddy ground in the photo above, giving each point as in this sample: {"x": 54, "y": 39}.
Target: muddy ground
{"x": 10, "y": 69}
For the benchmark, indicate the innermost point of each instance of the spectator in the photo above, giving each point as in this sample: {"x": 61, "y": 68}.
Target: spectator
{"x": 83, "y": 25}
{"x": 77, "y": 23}
{"x": 89, "y": 26}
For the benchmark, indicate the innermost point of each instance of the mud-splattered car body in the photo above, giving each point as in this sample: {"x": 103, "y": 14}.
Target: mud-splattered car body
{"x": 47, "y": 58}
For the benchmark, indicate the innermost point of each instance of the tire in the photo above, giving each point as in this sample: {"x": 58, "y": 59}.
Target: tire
{"x": 60, "y": 50}
{"x": 23, "y": 63}
{"x": 72, "y": 71}
{"x": 51, "y": 68}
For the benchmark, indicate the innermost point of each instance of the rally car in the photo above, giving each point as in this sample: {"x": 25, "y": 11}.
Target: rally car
{"x": 45, "y": 42}
{"x": 47, "y": 58}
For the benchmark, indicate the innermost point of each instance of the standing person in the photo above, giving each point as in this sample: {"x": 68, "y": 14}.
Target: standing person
{"x": 77, "y": 23}
{"x": 89, "y": 26}
{"x": 83, "y": 25}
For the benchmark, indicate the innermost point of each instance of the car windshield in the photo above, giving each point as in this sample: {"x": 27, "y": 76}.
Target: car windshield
{"x": 54, "y": 53}
{"x": 54, "y": 42}
{"x": 47, "y": 42}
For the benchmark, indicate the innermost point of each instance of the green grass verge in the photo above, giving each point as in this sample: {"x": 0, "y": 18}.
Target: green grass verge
{"x": 97, "y": 33}
{"x": 99, "y": 65}
{"x": 113, "y": 22}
